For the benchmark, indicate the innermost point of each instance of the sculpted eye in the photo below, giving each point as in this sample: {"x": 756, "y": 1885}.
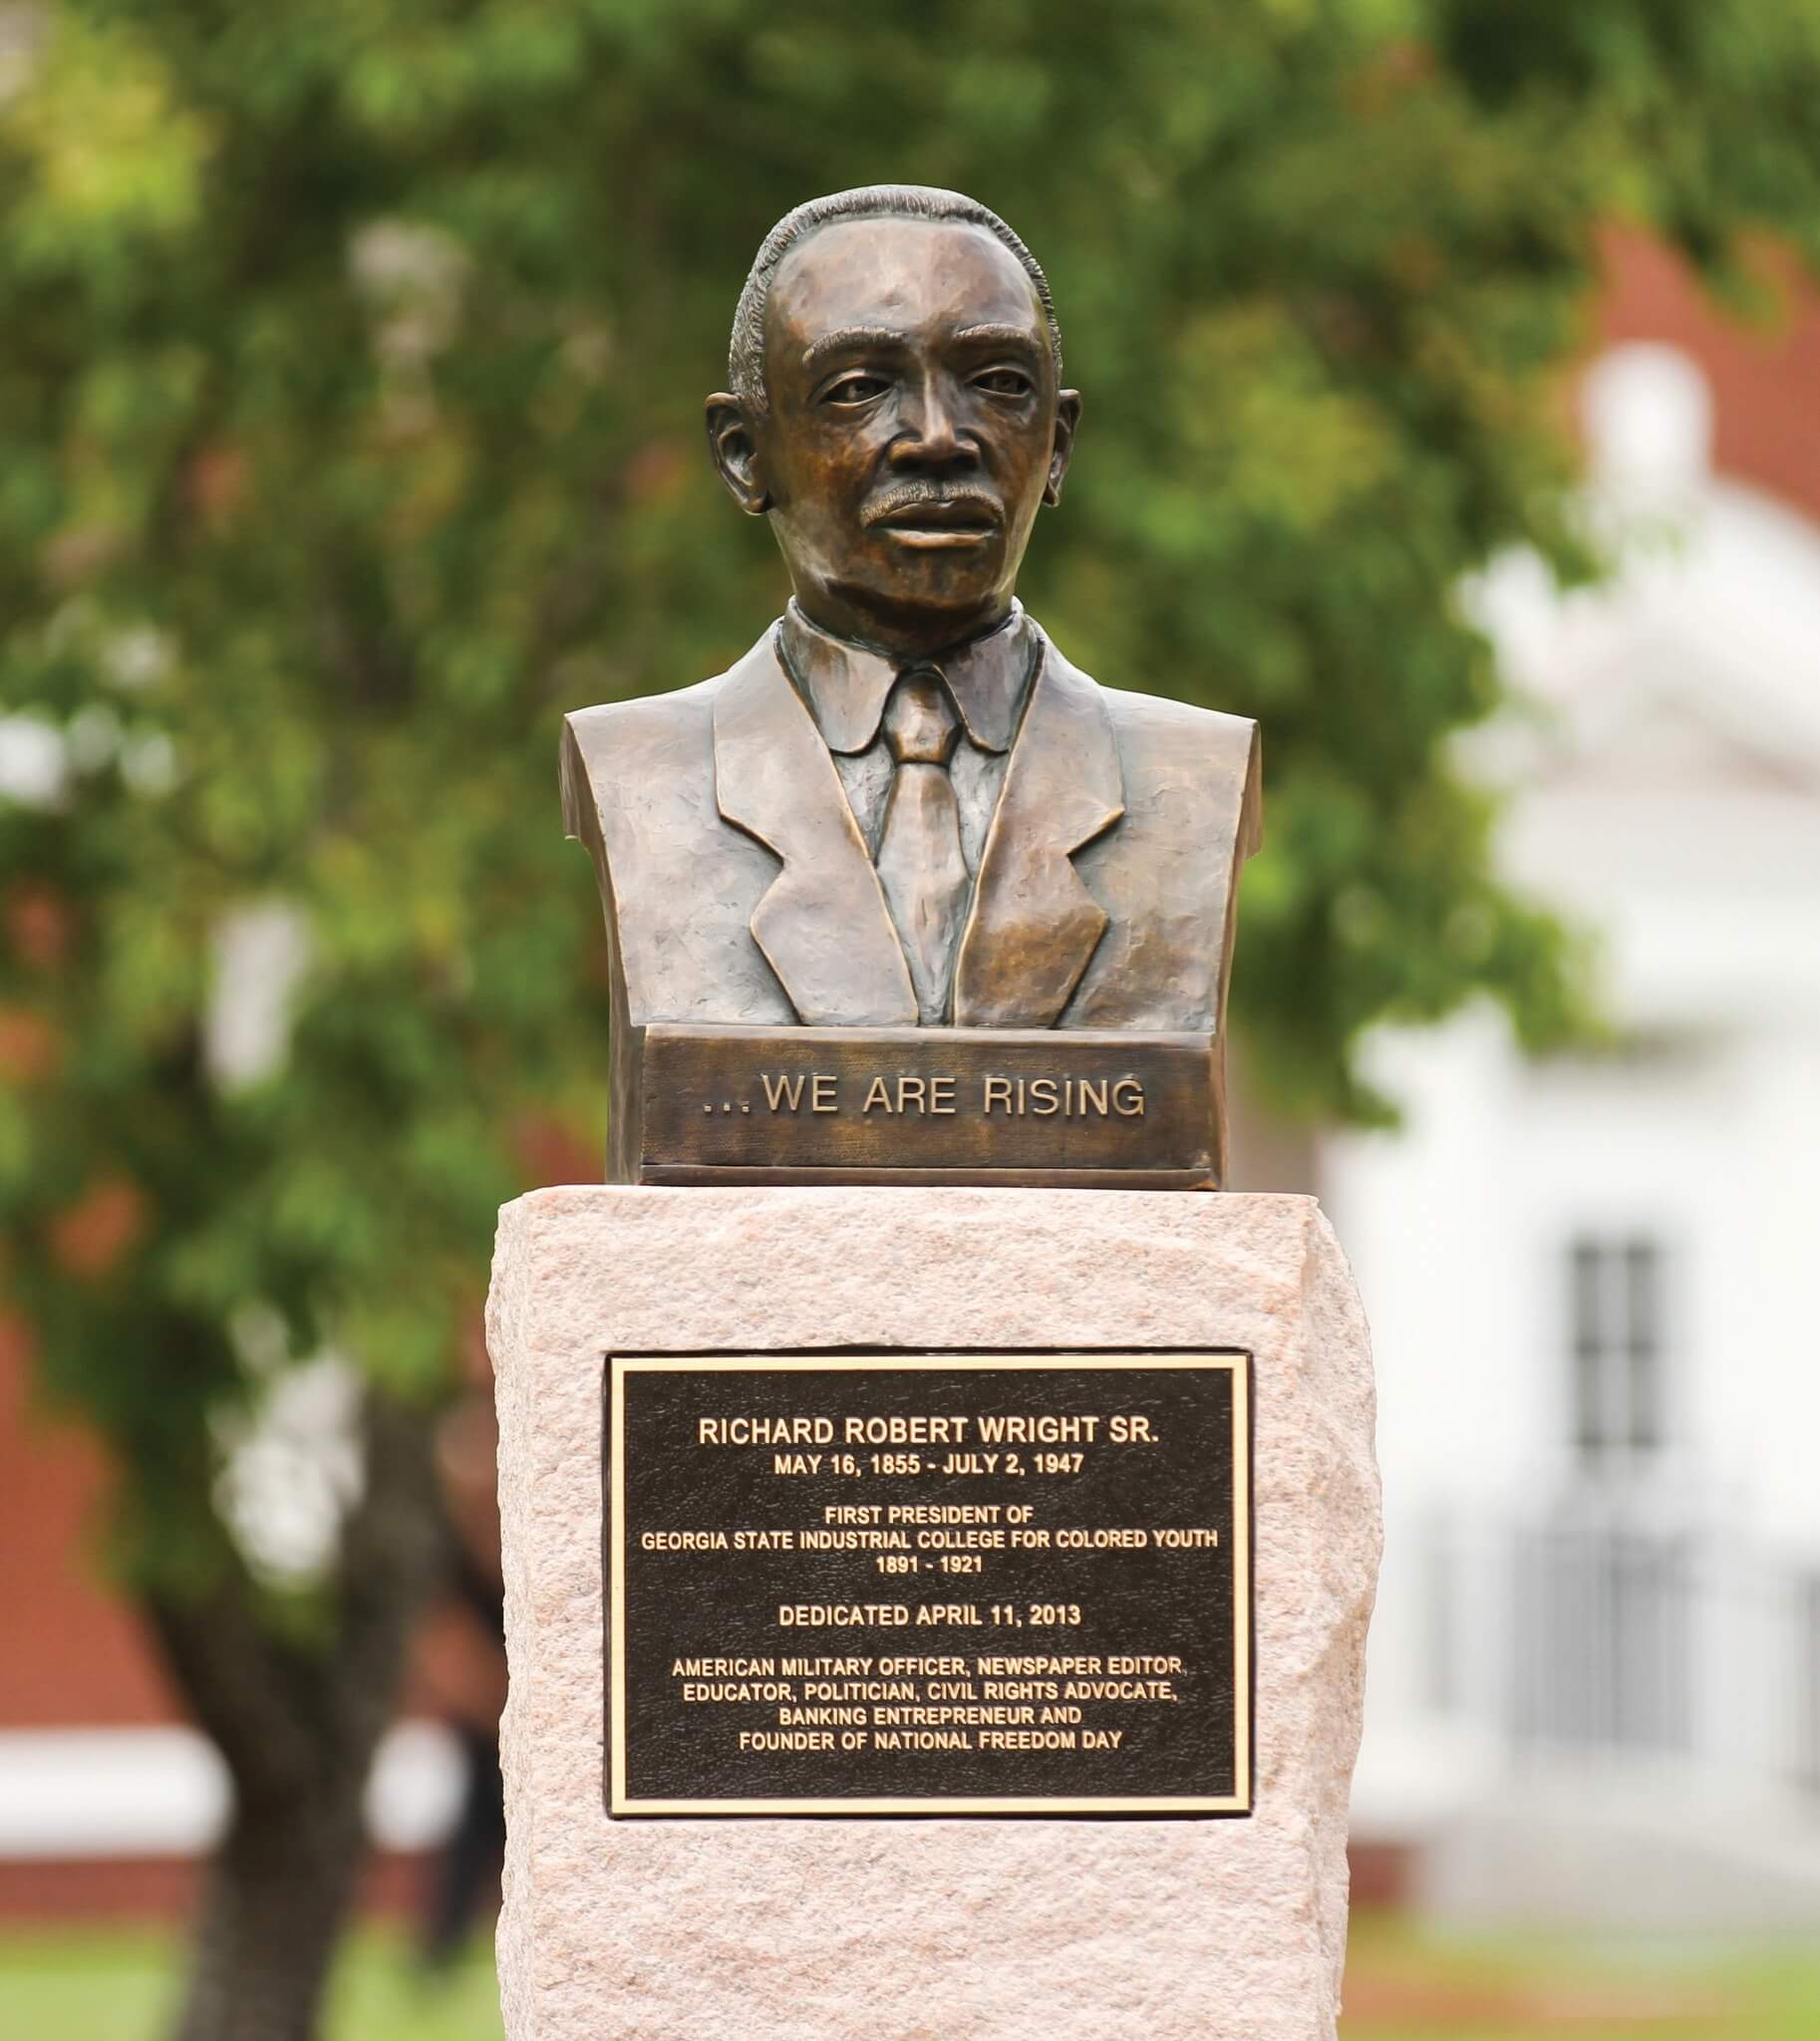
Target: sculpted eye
{"x": 1004, "y": 382}
{"x": 855, "y": 387}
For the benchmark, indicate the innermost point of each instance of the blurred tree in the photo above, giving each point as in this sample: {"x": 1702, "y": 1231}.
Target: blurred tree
{"x": 353, "y": 352}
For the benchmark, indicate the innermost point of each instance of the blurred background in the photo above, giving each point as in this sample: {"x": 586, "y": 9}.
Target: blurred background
{"x": 1452, "y": 379}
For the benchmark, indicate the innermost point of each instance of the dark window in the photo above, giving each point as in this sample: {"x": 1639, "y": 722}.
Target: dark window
{"x": 1615, "y": 1307}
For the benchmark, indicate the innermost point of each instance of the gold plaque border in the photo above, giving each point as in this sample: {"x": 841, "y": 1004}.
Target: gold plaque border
{"x": 1235, "y": 1360}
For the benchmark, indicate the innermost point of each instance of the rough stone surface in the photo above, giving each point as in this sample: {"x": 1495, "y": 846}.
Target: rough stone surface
{"x": 929, "y": 1930}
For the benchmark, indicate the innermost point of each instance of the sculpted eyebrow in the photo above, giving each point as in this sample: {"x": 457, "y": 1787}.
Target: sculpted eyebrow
{"x": 1016, "y": 338}
{"x": 850, "y": 336}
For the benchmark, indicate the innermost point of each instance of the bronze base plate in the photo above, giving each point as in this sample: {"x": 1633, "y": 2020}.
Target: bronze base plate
{"x": 1056, "y": 1107}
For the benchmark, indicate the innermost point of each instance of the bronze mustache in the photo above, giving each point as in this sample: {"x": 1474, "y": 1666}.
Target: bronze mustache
{"x": 894, "y": 503}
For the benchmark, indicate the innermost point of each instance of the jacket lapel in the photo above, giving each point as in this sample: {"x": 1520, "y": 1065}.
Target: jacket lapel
{"x": 1034, "y": 924}
{"x": 822, "y": 924}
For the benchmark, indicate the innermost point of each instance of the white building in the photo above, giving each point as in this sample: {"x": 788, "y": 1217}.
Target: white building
{"x": 1594, "y": 1281}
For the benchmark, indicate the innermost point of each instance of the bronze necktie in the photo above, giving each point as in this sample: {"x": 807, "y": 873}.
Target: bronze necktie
{"x": 920, "y": 863}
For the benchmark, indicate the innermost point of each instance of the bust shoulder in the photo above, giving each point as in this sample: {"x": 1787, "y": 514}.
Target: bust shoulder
{"x": 621, "y": 744}
{"x": 1160, "y": 739}
{"x": 1164, "y": 717}
{"x": 645, "y": 719}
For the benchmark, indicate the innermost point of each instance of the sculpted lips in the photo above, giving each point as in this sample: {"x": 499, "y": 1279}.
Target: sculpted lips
{"x": 930, "y": 517}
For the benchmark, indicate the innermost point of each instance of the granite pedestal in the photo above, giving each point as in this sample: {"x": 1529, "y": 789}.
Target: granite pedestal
{"x": 757, "y": 1929}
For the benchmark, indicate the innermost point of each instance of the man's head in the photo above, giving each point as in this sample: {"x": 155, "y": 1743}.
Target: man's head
{"x": 896, "y": 410}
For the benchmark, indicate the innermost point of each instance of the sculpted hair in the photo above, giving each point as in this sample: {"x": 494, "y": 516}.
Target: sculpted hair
{"x": 746, "y": 352}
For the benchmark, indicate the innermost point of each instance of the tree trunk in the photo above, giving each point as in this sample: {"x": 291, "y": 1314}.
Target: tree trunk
{"x": 272, "y": 1911}
{"x": 298, "y": 1729}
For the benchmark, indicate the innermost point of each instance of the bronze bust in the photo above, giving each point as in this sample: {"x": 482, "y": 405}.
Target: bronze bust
{"x": 904, "y": 808}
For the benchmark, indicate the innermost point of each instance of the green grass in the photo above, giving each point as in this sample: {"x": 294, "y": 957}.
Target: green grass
{"x": 119, "y": 1986}
{"x": 1403, "y": 1984}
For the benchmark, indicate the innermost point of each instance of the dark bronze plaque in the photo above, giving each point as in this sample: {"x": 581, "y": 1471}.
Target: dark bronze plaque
{"x": 929, "y": 1584}
{"x": 1058, "y": 1106}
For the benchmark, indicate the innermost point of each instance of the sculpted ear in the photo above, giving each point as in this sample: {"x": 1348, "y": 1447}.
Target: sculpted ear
{"x": 734, "y": 449}
{"x": 1067, "y": 420}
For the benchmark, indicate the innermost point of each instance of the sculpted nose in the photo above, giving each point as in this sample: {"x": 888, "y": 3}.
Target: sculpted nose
{"x": 931, "y": 435}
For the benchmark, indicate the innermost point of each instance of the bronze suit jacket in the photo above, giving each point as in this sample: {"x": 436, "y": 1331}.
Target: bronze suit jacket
{"x": 738, "y": 888}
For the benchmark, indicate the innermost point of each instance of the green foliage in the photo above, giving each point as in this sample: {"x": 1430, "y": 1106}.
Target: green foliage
{"x": 350, "y": 400}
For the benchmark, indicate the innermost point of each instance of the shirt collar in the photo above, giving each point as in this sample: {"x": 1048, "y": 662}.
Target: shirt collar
{"x": 846, "y": 684}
